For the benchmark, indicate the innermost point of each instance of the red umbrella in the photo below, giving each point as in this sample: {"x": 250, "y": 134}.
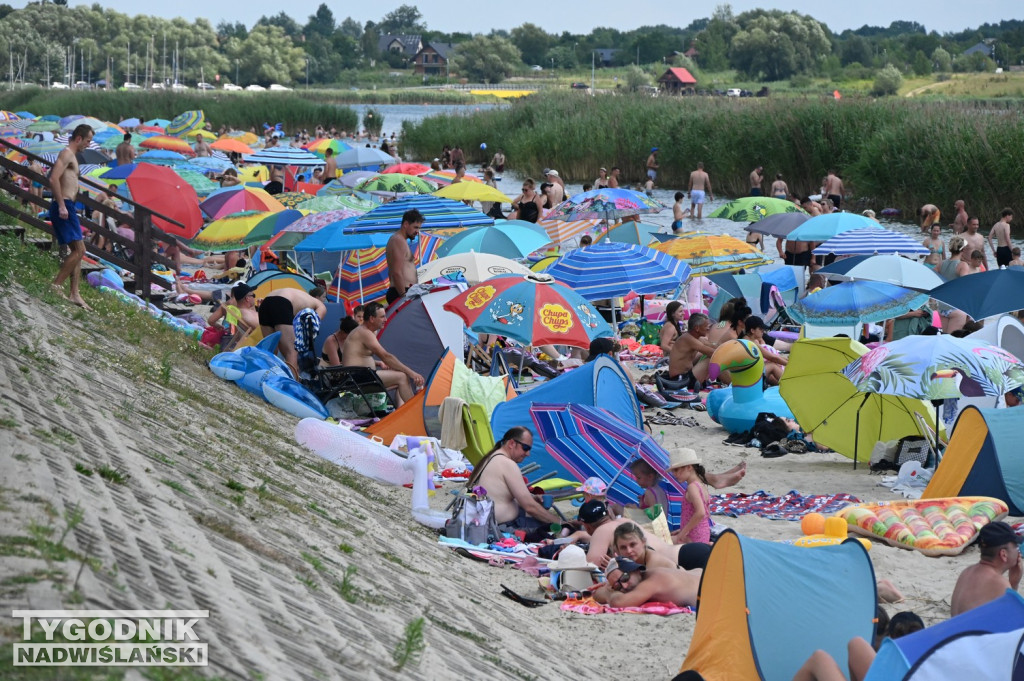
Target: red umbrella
{"x": 162, "y": 190}
{"x": 407, "y": 169}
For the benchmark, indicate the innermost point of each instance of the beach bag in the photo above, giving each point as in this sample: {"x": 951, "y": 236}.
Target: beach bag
{"x": 473, "y": 520}
{"x": 914, "y": 448}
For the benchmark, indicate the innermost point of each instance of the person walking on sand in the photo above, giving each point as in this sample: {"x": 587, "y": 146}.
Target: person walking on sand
{"x": 756, "y": 179}
{"x": 700, "y": 188}
{"x": 1001, "y": 232}
{"x": 64, "y": 219}
{"x": 400, "y": 258}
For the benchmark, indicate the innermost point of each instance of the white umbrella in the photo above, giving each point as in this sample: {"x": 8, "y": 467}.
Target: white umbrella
{"x": 474, "y": 267}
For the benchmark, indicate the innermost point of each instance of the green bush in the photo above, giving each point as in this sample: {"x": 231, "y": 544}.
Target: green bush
{"x": 888, "y": 81}
{"x": 373, "y": 121}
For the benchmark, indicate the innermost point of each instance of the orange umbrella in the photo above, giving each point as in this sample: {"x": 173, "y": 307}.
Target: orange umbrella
{"x": 231, "y": 145}
{"x": 167, "y": 143}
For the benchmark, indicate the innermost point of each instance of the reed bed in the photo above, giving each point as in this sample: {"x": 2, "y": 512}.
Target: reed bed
{"x": 891, "y": 153}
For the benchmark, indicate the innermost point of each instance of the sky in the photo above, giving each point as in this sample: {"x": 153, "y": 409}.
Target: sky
{"x": 581, "y": 16}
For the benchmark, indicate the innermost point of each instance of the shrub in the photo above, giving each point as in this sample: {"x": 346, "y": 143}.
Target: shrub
{"x": 887, "y": 81}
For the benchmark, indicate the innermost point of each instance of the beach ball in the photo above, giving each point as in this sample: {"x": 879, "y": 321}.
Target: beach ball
{"x": 483, "y": 145}
{"x": 812, "y": 523}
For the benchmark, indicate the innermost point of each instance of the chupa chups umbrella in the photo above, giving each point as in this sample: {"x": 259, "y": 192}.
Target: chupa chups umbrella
{"x": 839, "y": 414}
{"x": 162, "y": 190}
{"x": 855, "y": 302}
{"x": 604, "y": 204}
{"x": 186, "y": 122}
{"x": 591, "y": 442}
{"x": 755, "y": 208}
{"x": 237, "y": 199}
{"x": 710, "y": 253}
{"x": 395, "y": 183}
{"x": 890, "y": 269}
{"x": 437, "y": 212}
{"x": 778, "y": 225}
{"x": 284, "y": 156}
{"x": 502, "y": 238}
{"x": 824, "y": 227}
{"x": 470, "y": 267}
{"x": 985, "y": 294}
{"x": 168, "y": 143}
{"x": 632, "y": 232}
{"x": 533, "y": 309}
{"x": 871, "y": 241}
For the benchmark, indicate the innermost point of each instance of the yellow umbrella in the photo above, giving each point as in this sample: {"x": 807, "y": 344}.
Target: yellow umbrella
{"x": 714, "y": 253}
{"x": 255, "y": 173}
{"x": 472, "y": 191}
{"x": 227, "y": 233}
{"x": 243, "y": 137}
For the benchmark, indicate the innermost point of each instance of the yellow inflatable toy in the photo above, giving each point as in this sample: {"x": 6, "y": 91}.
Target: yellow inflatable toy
{"x": 822, "y": 531}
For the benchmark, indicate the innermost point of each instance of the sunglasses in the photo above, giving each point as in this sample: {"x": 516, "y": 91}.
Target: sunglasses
{"x": 522, "y": 444}
{"x": 620, "y": 582}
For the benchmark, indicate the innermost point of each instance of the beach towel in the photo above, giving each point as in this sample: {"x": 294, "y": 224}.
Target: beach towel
{"x": 306, "y": 325}
{"x": 790, "y": 506}
{"x": 588, "y": 606}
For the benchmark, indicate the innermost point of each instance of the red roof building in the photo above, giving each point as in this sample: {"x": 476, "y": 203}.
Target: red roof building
{"x": 677, "y": 81}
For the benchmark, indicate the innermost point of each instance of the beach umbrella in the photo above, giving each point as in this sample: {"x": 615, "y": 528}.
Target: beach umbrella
{"x": 41, "y": 147}
{"x": 869, "y": 241}
{"x": 710, "y": 253}
{"x": 161, "y": 157}
{"x": 253, "y": 174}
{"x": 112, "y": 142}
{"x": 437, "y": 212}
{"x": 470, "y": 267}
{"x": 472, "y": 191}
{"x": 891, "y": 269}
{"x": 407, "y": 169}
{"x": 395, "y": 183}
{"x": 855, "y": 302}
{"x": 348, "y": 180}
{"x": 284, "y": 156}
{"x": 163, "y": 191}
{"x": 231, "y": 145}
{"x": 161, "y": 123}
{"x": 213, "y": 163}
{"x": 49, "y": 117}
{"x": 238, "y": 198}
{"x": 26, "y": 114}
{"x": 228, "y": 232}
{"x": 562, "y": 231}
{"x": 778, "y": 225}
{"x": 516, "y": 240}
{"x": 984, "y": 294}
{"x": 9, "y": 116}
{"x": 591, "y": 442}
{"x": 270, "y": 226}
{"x": 443, "y": 178}
{"x": 130, "y": 123}
{"x": 292, "y": 199}
{"x": 364, "y": 156}
{"x": 314, "y": 222}
{"x": 149, "y": 130}
{"x": 167, "y": 143}
{"x": 533, "y": 309}
{"x": 333, "y": 239}
{"x": 93, "y": 123}
{"x": 824, "y": 227}
{"x": 632, "y": 232}
{"x": 755, "y": 208}
{"x": 320, "y": 146}
{"x": 203, "y": 185}
{"x": 607, "y": 270}
{"x": 91, "y": 156}
{"x": 185, "y": 123}
{"x": 323, "y": 203}
{"x": 604, "y": 204}
{"x": 364, "y": 273}
{"x": 242, "y": 136}
{"x": 840, "y": 415}
{"x": 42, "y": 126}
{"x": 544, "y": 263}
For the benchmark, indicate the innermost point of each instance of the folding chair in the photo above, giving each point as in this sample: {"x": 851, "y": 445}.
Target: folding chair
{"x": 329, "y": 382}
{"x": 479, "y": 438}
{"x": 937, "y": 445}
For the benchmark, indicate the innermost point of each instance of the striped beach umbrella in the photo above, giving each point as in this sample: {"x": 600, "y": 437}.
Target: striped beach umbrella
{"x": 508, "y": 239}
{"x": 42, "y": 126}
{"x": 870, "y": 241}
{"x": 167, "y": 143}
{"x": 237, "y": 199}
{"x": 320, "y": 146}
{"x": 562, "y": 231}
{"x": 711, "y": 253}
{"x": 284, "y": 156}
{"x": 270, "y": 226}
{"x": 65, "y": 139}
{"x": 228, "y": 232}
{"x": 94, "y": 123}
{"x": 608, "y": 270}
{"x": 186, "y": 122}
{"x": 604, "y": 204}
{"x": 8, "y": 116}
{"x": 437, "y": 212}
{"x": 364, "y": 273}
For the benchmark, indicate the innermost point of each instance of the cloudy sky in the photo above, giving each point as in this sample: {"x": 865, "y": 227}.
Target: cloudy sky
{"x": 580, "y": 16}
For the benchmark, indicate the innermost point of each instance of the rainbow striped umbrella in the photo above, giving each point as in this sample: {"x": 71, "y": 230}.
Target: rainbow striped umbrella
{"x": 271, "y": 225}
{"x": 320, "y": 146}
{"x": 185, "y": 123}
{"x": 9, "y": 116}
{"x": 228, "y": 233}
{"x": 561, "y": 231}
{"x": 237, "y": 199}
{"x": 370, "y": 267}
{"x": 167, "y": 143}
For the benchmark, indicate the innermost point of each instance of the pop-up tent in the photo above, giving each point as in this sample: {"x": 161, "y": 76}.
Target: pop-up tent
{"x": 764, "y": 607}
{"x": 982, "y": 459}
{"x": 928, "y": 649}
{"x": 449, "y": 378}
{"x": 601, "y": 383}
{"x": 419, "y": 329}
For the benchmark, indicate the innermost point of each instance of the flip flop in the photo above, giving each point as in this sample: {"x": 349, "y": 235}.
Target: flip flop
{"x": 522, "y": 600}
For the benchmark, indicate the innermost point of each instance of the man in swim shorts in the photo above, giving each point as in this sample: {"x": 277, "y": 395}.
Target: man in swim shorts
{"x": 63, "y": 218}
{"x": 700, "y": 186}
{"x": 1001, "y": 232}
{"x": 652, "y": 164}
{"x": 400, "y": 258}
{"x": 691, "y": 355}
{"x": 756, "y": 179}
{"x": 678, "y": 213}
{"x": 279, "y": 309}
{"x": 834, "y": 188}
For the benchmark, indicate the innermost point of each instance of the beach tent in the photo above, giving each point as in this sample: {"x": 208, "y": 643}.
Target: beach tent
{"x": 601, "y": 383}
{"x": 982, "y": 458}
{"x": 419, "y": 329}
{"x": 765, "y": 606}
{"x": 929, "y": 648}
{"x": 449, "y": 378}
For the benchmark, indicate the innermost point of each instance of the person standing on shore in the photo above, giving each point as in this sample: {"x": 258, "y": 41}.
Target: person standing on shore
{"x": 202, "y": 147}
{"x": 652, "y": 165}
{"x": 330, "y": 166}
{"x": 960, "y": 221}
{"x": 1001, "y": 232}
{"x": 613, "y": 179}
{"x": 400, "y": 259}
{"x": 700, "y": 188}
{"x": 973, "y": 241}
{"x": 780, "y": 189}
{"x": 834, "y": 189}
{"x": 936, "y": 248}
{"x": 63, "y": 218}
{"x": 678, "y": 213}
{"x": 756, "y": 178}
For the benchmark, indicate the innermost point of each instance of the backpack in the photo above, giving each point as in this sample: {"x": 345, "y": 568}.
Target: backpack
{"x": 473, "y": 520}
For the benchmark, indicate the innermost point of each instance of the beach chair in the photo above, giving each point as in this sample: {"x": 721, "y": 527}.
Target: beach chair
{"x": 479, "y": 438}
{"x": 361, "y": 382}
{"x": 937, "y": 444}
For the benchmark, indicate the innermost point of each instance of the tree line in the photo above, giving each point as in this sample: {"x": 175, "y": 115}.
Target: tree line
{"x": 49, "y": 40}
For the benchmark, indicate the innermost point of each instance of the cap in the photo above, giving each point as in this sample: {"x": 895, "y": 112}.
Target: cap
{"x": 654, "y": 149}
{"x": 592, "y": 511}
{"x": 437, "y": 159}
{"x": 994, "y": 534}
{"x": 682, "y": 456}
{"x": 603, "y": 170}
{"x": 601, "y": 346}
{"x": 594, "y": 486}
{"x": 241, "y": 290}
{"x": 624, "y": 564}
{"x": 552, "y": 172}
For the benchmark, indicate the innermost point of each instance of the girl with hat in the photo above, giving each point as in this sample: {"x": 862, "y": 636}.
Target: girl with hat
{"x": 695, "y": 517}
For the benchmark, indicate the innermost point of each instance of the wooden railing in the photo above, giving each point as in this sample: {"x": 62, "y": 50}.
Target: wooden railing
{"x": 140, "y": 220}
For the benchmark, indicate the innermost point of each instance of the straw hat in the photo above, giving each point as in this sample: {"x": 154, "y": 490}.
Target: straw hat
{"x": 572, "y": 557}
{"x": 682, "y": 456}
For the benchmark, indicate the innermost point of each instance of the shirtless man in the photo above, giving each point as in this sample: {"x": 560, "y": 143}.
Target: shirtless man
{"x": 985, "y": 582}
{"x": 632, "y": 585}
{"x": 557, "y": 192}
{"x": 401, "y": 262}
{"x": 780, "y": 189}
{"x": 515, "y": 507}
{"x": 330, "y": 166}
{"x": 362, "y": 345}
{"x": 125, "y": 152}
{"x": 691, "y": 356}
{"x": 678, "y": 213}
{"x": 700, "y": 187}
{"x": 64, "y": 219}
{"x": 1001, "y": 232}
{"x": 599, "y": 528}
{"x": 810, "y": 206}
{"x": 929, "y": 214}
{"x": 974, "y": 241}
{"x": 202, "y": 147}
{"x": 652, "y": 165}
{"x": 613, "y": 178}
{"x": 276, "y": 184}
{"x": 960, "y": 221}
{"x": 834, "y": 189}
{"x": 280, "y": 308}
{"x": 498, "y": 161}
{"x": 756, "y": 179}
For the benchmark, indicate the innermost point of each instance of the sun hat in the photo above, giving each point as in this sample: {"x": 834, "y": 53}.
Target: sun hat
{"x": 682, "y": 456}
{"x": 997, "y": 533}
{"x": 592, "y": 511}
{"x": 572, "y": 557}
{"x": 594, "y": 486}
{"x": 624, "y": 564}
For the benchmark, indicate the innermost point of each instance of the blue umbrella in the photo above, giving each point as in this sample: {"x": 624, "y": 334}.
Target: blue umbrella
{"x": 984, "y": 294}
{"x": 212, "y": 163}
{"x": 51, "y": 118}
{"x": 121, "y": 172}
{"x": 25, "y": 114}
{"x": 130, "y": 123}
{"x": 869, "y": 241}
{"x": 158, "y": 122}
{"x": 607, "y": 270}
{"x": 507, "y": 239}
{"x": 284, "y": 156}
{"x": 333, "y": 239}
{"x": 632, "y": 232}
{"x": 437, "y": 212}
{"x": 856, "y": 302}
{"x": 160, "y": 156}
{"x": 363, "y": 156}
{"x": 824, "y": 227}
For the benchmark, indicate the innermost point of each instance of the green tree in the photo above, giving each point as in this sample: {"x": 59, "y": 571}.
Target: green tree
{"x": 370, "y": 41}
{"x": 226, "y": 29}
{"x": 288, "y": 25}
{"x": 922, "y": 66}
{"x": 562, "y": 56}
{"x": 405, "y": 19}
{"x": 887, "y": 81}
{"x": 943, "y": 62}
{"x": 713, "y": 42}
{"x": 487, "y": 59}
{"x": 351, "y": 28}
{"x": 774, "y": 45}
{"x": 533, "y": 41}
{"x": 267, "y": 56}
{"x": 856, "y": 49}
{"x": 636, "y": 78}
{"x": 321, "y": 23}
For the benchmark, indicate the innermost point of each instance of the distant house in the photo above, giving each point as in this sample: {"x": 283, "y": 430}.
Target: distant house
{"x": 693, "y": 52}
{"x": 983, "y": 48}
{"x": 433, "y": 59}
{"x": 604, "y": 56}
{"x": 677, "y": 81}
{"x": 405, "y": 45}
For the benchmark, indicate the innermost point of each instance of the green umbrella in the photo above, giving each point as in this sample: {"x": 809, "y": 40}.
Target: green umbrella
{"x": 754, "y": 208}
{"x": 321, "y": 204}
{"x": 271, "y": 225}
{"x": 114, "y": 140}
{"x": 43, "y": 126}
{"x": 396, "y": 183}
{"x": 203, "y": 185}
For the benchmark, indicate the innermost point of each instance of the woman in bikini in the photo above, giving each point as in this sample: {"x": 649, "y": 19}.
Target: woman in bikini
{"x": 671, "y": 329}
{"x": 936, "y": 248}
{"x": 331, "y": 354}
